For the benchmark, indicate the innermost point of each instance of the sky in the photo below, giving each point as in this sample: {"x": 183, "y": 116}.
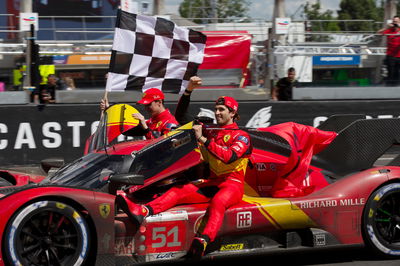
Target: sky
{"x": 264, "y": 8}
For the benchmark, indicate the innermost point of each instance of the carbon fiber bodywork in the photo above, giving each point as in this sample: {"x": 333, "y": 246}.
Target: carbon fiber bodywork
{"x": 359, "y": 145}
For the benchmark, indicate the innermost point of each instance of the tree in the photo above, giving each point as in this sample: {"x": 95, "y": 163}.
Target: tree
{"x": 318, "y": 21}
{"x": 359, "y": 9}
{"x": 224, "y": 9}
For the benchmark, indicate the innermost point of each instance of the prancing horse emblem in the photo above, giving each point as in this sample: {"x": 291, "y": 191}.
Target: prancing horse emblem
{"x": 104, "y": 209}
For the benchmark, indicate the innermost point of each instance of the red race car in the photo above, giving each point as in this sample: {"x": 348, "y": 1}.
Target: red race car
{"x": 70, "y": 217}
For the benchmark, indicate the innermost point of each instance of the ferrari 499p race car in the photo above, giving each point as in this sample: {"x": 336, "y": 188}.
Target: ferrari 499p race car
{"x": 70, "y": 217}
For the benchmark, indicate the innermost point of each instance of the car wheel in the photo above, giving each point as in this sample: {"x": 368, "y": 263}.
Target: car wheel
{"x": 47, "y": 233}
{"x": 381, "y": 221}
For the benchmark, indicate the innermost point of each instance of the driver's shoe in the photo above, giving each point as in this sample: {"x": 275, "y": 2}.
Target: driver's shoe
{"x": 198, "y": 247}
{"x": 136, "y": 212}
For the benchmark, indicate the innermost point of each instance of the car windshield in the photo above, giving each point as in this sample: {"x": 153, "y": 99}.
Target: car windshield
{"x": 91, "y": 170}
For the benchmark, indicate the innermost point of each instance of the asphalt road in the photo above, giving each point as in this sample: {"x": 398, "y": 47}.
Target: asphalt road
{"x": 332, "y": 256}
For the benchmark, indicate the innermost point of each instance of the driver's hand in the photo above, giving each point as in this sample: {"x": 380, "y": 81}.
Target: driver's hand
{"x": 194, "y": 82}
{"x": 198, "y": 131}
{"x": 138, "y": 116}
{"x": 141, "y": 119}
{"x": 104, "y": 104}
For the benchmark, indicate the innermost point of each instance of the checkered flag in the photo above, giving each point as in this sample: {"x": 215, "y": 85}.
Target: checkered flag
{"x": 153, "y": 52}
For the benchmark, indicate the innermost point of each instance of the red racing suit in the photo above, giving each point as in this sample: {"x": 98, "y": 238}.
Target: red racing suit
{"x": 226, "y": 151}
{"x": 160, "y": 124}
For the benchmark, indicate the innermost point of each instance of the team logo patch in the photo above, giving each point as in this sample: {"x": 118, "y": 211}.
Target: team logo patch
{"x": 159, "y": 124}
{"x": 226, "y": 138}
{"x": 243, "y": 139}
{"x": 104, "y": 210}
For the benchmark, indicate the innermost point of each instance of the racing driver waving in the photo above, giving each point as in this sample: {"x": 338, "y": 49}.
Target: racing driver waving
{"x": 226, "y": 149}
{"x": 161, "y": 120}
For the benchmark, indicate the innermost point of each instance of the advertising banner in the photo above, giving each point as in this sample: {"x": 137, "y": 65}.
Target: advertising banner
{"x": 28, "y": 19}
{"x": 282, "y": 25}
{"x": 336, "y": 60}
{"x": 29, "y": 133}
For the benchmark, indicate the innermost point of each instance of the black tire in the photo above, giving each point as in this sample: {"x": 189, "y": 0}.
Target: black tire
{"x": 381, "y": 221}
{"x": 47, "y": 233}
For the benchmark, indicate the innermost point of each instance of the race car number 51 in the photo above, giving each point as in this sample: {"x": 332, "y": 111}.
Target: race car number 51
{"x": 166, "y": 237}
{"x": 162, "y": 234}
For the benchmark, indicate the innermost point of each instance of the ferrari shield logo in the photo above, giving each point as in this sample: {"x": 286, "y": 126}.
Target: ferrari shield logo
{"x": 104, "y": 209}
{"x": 226, "y": 138}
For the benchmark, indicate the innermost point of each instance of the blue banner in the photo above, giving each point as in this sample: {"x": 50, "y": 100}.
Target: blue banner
{"x": 336, "y": 60}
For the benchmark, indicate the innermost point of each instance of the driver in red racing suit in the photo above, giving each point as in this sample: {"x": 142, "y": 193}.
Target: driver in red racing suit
{"x": 226, "y": 150}
{"x": 161, "y": 120}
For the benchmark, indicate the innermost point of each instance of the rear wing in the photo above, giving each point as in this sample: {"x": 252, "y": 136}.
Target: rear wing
{"x": 359, "y": 145}
{"x": 338, "y": 122}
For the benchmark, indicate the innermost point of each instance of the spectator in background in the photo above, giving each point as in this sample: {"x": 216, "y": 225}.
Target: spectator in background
{"x": 392, "y": 32}
{"x": 69, "y": 83}
{"x": 283, "y": 89}
{"x": 46, "y": 93}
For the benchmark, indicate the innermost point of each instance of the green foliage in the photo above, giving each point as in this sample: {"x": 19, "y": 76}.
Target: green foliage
{"x": 359, "y": 9}
{"x": 313, "y": 12}
{"x": 202, "y": 9}
{"x": 348, "y": 10}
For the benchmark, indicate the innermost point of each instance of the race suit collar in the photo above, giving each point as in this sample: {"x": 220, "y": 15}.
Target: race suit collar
{"x": 162, "y": 115}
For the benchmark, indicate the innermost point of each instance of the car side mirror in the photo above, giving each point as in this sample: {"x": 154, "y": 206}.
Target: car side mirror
{"x": 127, "y": 179}
{"x": 49, "y": 163}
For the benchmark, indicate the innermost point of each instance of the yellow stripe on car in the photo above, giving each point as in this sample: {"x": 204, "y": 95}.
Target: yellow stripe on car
{"x": 281, "y": 213}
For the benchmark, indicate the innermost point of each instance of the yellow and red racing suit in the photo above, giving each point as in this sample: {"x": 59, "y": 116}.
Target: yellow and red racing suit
{"x": 226, "y": 150}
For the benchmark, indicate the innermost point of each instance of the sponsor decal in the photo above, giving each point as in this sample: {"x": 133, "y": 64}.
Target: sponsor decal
{"x": 231, "y": 247}
{"x": 261, "y": 118}
{"x": 332, "y": 203}
{"x": 243, "y": 219}
{"x": 165, "y": 256}
{"x": 104, "y": 209}
{"x": 179, "y": 215}
{"x": 60, "y": 205}
{"x": 168, "y": 255}
{"x": 176, "y": 143}
{"x": 319, "y": 240}
{"x": 105, "y": 240}
{"x": 243, "y": 139}
{"x": 124, "y": 246}
{"x": 261, "y": 166}
{"x": 51, "y": 135}
{"x": 264, "y": 188}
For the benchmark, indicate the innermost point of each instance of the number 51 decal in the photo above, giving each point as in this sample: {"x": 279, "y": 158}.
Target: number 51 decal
{"x": 166, "y": 237}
